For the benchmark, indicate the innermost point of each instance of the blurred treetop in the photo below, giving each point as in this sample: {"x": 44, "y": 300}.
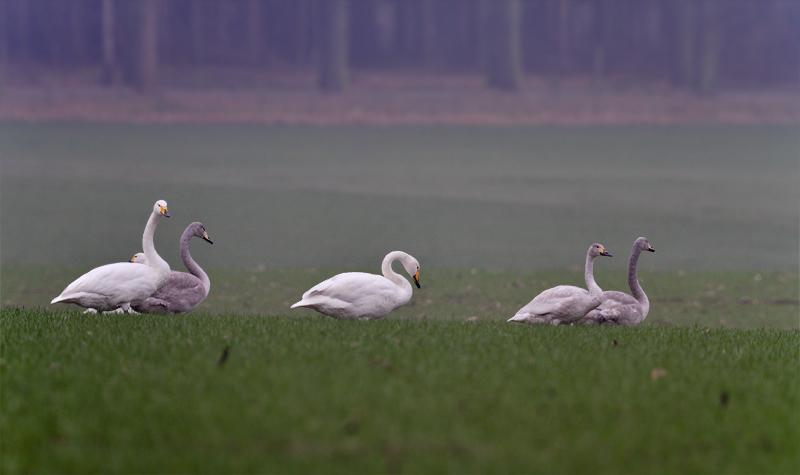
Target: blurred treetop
{"x": 701, "y": 45}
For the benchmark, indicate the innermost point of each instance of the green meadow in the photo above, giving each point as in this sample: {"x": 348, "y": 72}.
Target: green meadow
{"x": 708, "y": 384}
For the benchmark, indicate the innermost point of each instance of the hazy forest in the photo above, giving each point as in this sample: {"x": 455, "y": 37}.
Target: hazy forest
{"x": 698, "y": 45}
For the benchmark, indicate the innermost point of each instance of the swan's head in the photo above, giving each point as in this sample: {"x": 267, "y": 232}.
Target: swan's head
{"x": 598, "y": 249}
{"x": 411, "y": 265}
{"x": 198, "y": 230}
{"x": 161, "y": 208}
{"x": 139, "y": 258}
{"x": 644, "y": 244}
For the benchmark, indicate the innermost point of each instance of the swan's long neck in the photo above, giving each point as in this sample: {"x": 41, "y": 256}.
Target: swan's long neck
{"x": 389, "y": 273}
{"x": 588, "y": 274}
{"x": 153, "y": 259}
{"x": 633, "y": 280}
{"x": 193, "y": 267}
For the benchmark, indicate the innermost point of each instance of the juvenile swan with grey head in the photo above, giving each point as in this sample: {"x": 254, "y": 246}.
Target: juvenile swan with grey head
{"x": 565, "y": 303}
{"x": 619, "y": 308}
{"x": 182, "y": 291}
{"x": 113, "y": 287}
{"x": 359, "y": 295}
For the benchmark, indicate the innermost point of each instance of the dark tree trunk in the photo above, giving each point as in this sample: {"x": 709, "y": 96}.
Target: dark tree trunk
{"x": 333, "y": 64}
{"x": 111, "y": 74}
{"x": 503, "y": 56}
{"x": 599, "y": 34}
{"x": 709, "y": 48}
{"x": 428, "y": 23}
{"x": 147, "y": 51}
{"x": 255, "y": 32}
{"x": 686, "y": 33}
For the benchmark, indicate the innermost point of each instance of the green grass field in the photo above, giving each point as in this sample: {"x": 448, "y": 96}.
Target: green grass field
{"x": 495, "y": 215}
{"x": 303, "y": 394}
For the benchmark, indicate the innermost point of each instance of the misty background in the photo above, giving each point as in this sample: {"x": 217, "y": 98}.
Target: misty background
{"x": 311, "y": 133}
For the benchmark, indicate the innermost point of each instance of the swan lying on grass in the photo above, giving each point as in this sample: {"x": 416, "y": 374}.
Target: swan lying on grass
{"x": 565, "y": 303}
{"x": 113, "y": 287}
{"x": 358, "y": 295}
{"x": 182, "y": 291}
{"x": 619, "y": 308}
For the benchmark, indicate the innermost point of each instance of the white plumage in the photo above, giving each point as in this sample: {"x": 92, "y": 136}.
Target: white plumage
{"x": 115, "y": 286}
{"x": 565, "y": 303}
{"x": 358, "y": 295}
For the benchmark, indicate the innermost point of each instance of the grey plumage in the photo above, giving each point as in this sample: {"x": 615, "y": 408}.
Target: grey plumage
{"x": 619, "y": 308}
{"x": 182, "y": 291}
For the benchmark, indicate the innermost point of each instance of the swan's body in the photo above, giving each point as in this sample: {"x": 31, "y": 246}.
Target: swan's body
{"x": 182, "y": 291}
{"x": 565, "y": 303}
{"x": 115, "y": 286}
{"x": 359, "y": 295}
{"x": 619, "y": 308}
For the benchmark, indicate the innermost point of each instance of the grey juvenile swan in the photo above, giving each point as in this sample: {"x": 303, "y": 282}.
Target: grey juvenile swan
{"x": 565, "y": 303}
{"x": 619, "y": 308}
{"x": 181, "y": 292}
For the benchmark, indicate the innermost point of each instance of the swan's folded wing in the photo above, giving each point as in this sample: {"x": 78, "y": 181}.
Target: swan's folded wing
{"x": 551, "y": 307}
{"x": 105, "y": 280}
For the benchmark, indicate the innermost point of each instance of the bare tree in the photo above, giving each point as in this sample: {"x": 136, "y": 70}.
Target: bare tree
{"x": 333, "y": 64}
{"x": 110, "y": 66}
{"x": 147, "y": 51}
{"x": 504, "y": 58}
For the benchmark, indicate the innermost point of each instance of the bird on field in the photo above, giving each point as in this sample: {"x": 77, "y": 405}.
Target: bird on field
{"x": 359, "y": 295}
{"x": 113, "y": 287}
{"x": 182, "y": 291}
{"x": 565, "y": 303}
{"x": 619, "y": 308}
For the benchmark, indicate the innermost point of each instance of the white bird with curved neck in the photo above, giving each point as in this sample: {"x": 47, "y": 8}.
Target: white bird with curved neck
{"x": 113, "y": 287}
{"x": 565, "y": 303}
{"x": 363, "y": 296}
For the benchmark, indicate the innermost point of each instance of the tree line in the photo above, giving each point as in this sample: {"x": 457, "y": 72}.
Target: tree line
{"x": 700, "y": 45}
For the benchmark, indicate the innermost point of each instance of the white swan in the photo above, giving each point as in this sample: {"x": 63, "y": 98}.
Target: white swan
{"x": 619, "y": 308}
{"x": 182, "y": 291}
{"x": 115, "y": 286}
{"x": 358, "y": 295}
{"x": 565, "y": 303}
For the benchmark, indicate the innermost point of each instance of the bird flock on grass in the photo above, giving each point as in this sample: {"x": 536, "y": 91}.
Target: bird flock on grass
{"x": 146, "y": 284}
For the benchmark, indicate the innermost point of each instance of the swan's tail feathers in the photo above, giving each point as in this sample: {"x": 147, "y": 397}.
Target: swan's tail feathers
{"x": 520, "y": 317}
{"x": 301, "y": 303}
{"x": 60, "y": 298}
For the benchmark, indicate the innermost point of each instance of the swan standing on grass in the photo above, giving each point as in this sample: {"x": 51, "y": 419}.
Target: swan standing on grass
{"x": 182, "y": 291}
{"x": 565, "y": 303}
{"x": 358, "y": 295}
{"x": 115, "y": 286}
{"x": 619, "y": 308}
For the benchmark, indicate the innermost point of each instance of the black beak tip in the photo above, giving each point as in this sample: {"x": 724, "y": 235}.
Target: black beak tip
{"x": 209, "y": 241}
{"x": 652, "y": 250}
{"x": 167, "y": 215}
{"x": 417, "y": 282}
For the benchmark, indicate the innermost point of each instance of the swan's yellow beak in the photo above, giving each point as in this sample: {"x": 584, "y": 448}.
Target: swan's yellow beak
{"x": 604, "y": 252}
{"x": 164, "y": 212}
{"x": 133, "y": 258}
{"x": 208, "y": 239}
{"x": 416, "y": 279}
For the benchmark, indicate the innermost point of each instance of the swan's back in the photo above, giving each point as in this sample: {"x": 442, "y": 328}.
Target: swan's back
{"x": 354, "y": 295}
{"x": 561, "y": 303}
{"x": 112, "y": 284}
{"x": 181, "y": 292}
{"x": 618, "y": 308}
